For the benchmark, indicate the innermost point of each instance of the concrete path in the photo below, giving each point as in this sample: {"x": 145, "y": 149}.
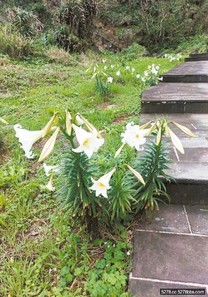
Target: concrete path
{"x": 171, "y": 252}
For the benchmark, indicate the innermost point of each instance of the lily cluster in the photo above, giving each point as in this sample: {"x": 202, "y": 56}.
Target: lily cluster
{"x": 84, "y": 138}
{"x": 109, "y": 73}
{"x": 151, "y": 75}
{"x": 172, "y": 57}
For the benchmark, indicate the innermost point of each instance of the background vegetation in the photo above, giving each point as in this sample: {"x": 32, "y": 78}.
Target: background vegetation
{"x": 76, "y": 25}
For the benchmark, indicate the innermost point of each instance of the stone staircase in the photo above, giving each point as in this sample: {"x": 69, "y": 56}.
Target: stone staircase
{"x": 171, "y": 251}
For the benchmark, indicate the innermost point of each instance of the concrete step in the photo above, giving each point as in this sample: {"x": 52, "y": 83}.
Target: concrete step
{"x": 188, "y": 72}
{"x": 171, "y": 252}
{"x": 175, "y": 98}
{"x": 197, "y": 57}
{"x": 190, "y": 171}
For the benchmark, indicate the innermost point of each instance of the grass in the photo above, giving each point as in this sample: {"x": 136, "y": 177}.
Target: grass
{"x": 43, "y": 250}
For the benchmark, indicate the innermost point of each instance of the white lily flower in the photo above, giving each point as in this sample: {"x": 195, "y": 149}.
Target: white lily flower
{"x": 50, "y": 186}
{"x": 79, "y": 121}
{"x": 134, "y": 136}
{"x": 110, "y": 79}
{"x": 102, "y": 184}
{"x": 27, "y": 139}
{"x": 154, "y": 71}
{"x": 49, "y": 169}
{"x": 118, "y": 73}
{"x": 88, "y": 142}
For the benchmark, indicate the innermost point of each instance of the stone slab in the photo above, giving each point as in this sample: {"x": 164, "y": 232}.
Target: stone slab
{"x": 151, "y": 288}
{"x": 169, "y": 218}
{"x": 190, "y": 68}
{"x": 198, "y": 218}
{"x": 192, "y": 172}
{"x": 188, "y": 193}
{"x": 197, "y": 123}
{"x": 192, "y": 155}
{"x": 172, "y": 257}
{"x": 176, "y": 98}
{"x": 188, "y": 78}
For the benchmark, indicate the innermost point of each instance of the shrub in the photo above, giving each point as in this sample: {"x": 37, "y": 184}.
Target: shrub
{"x": 58, "y": 55}
{"x": 24, "y": 21}
{"x": 14, "y": 44}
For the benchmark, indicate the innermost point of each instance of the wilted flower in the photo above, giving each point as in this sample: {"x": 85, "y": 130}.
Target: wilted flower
{"x": 134, "y": 136}
{"x": 118, "y": 73}
{"x": 27, "y": 139}
{"x": 110, "y": 79}
{"x": 88, "y": 142}
{"x": 102, "y": 184}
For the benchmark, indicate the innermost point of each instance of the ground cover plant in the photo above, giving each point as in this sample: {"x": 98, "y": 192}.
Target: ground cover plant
{"x": 46, "y": 247}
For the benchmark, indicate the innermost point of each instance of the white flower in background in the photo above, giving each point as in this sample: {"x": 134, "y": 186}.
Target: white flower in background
{"x": 149, "y": 67}
{"x": 138, "y": 76}
{"x": 128, "y": 68}
{"x": 105, "y": 67}
{"x": 49, "y": 185}
{"x": 50, "y": 169}
{"x": 157, "y": 67}
{"x": 88, "y": 142}
{"x": 143, "y": 79}
{"x": 160, "y": 78}
{"x": 112, "y": 66}
{"x": 102, "y": 184}
{"x": 104, "y": 61}
{"x": 79, "y": 121}
{"x": 133, "y": 69}
{"x": 27, "y": 139}
{"x": 118, "y": 73}
{"x": 134, "y": 136}
{"x": 110, "y": 79}
{"x": 171, "y": 59}
{"x": 146, "y": 73}
{"x": 154, "y": 71}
